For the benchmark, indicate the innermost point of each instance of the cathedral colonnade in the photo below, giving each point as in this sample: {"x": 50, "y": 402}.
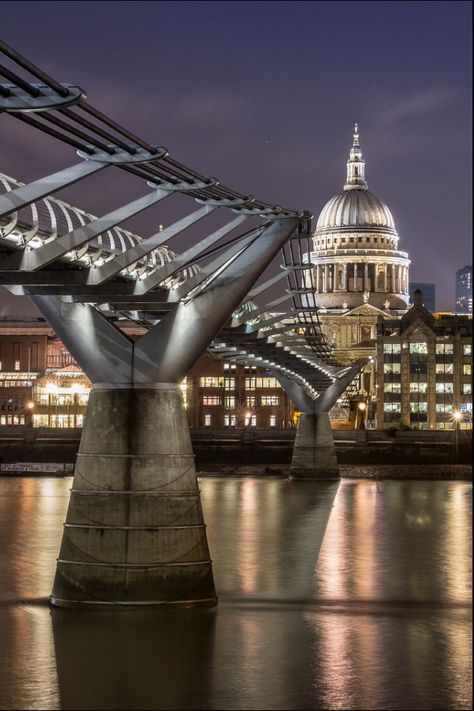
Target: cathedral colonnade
{"x": 360, "y": 276}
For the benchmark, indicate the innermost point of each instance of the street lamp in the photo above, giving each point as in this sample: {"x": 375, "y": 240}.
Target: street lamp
{"x": 362, "y": 407}
{"x": 457, "y": 417}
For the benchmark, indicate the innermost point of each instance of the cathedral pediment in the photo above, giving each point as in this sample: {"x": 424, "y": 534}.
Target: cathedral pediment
{"x": 366, "y": 310}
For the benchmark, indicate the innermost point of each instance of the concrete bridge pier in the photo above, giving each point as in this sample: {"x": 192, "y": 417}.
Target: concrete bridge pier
{"x": 134, "y": 532}
{"x": 314, "y": 453}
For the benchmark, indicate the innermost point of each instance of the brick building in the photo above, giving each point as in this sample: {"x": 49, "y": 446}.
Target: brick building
{"x": 42, "y": 386}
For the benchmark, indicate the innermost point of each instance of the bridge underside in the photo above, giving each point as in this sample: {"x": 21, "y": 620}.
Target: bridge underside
{"x": 134, "y": 533}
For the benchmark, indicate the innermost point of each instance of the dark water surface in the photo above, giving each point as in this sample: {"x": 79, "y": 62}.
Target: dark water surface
{"x": 331, "y": 596}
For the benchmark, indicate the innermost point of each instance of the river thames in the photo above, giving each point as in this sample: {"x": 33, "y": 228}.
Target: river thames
{"x": 350, "y": 595}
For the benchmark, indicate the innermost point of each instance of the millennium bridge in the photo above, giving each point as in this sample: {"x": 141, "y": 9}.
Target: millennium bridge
{"x": 134, "y": 532}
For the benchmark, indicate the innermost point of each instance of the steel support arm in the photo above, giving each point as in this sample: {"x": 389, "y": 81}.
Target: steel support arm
{"x": 170, "y": 349}
{"x": 62, "y": 245}
{"x": 104, "y": 353}
{"x": 328, "y": 398}
{"x": 257, "y": 312}
{"x": 24, "y": 196}
{"x": 182, "y": 260}
{"x": 219, "y": 264}
{"x": 114, "y": 266}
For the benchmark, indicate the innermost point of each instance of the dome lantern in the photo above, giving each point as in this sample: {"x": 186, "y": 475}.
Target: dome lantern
{"x": 355, "y": 165}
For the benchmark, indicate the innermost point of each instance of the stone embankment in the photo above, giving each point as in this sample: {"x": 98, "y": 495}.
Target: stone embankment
{"x": 427, "y": 472}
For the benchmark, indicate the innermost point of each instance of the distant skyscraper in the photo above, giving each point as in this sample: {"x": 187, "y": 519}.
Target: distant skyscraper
{"x": 429, "y": 294}
{"x": 464, "y": 290}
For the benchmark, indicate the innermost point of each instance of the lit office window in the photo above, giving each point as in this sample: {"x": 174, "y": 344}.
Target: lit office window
{"x": 211, "y": 400}
{"x": 418, "y": 348}
{"x": 392, "y": 348}
{"x": 444, "y": 348}
{"x": 270, "y": 400}
{"x": 417, "y": 387}
{"x": 392, "y": 368}
{"x": 444, "y": 388}
{"x": 418, "y": 407}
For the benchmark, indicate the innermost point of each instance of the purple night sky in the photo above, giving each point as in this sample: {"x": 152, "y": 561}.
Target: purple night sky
{"x": 264, "y": 96}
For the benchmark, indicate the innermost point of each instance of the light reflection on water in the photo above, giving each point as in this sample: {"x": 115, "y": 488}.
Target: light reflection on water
{"x": 352, "y": 595}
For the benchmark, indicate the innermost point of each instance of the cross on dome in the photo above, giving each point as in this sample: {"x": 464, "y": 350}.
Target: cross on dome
{"x": 356, "y": 135}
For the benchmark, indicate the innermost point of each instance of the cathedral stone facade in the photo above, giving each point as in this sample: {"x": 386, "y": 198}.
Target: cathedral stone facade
{"x": 358, "y": 273}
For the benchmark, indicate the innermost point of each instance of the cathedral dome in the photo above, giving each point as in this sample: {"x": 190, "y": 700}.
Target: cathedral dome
{"x": 356, "y": 208}
{"x": 355, "y": 258}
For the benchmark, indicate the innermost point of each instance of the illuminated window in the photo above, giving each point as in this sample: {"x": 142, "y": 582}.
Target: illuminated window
{"x": 250, "y": 401}
{"x": 270, "y": 400}
{"x": 17, "y": 365}
{"x": 40, "y": 421}
{"x": 392, "y": 348}
{"x": 207, "y": 420}
{"x": 229, "y": 383}
{"x": 273, "y": 420}
{"x": 392, "y": 388}
{"x": 392, "y": 407}
{"x": 445, "y": 407}
{"x": 250, "y": 420}
{"x": 266, "y": 382}
{"x": 418, "y": 347}
{"x": 211, "y": 400}
{"x": 418, "y": 407}
{"x": 466, "y": 349}
{"x": 229, "y": 402}
{"x": 416, "y": 387}
{"x": 229, "y": 420}
{"x": 62, "y": 421}
{"x": 466, "y": 369}
{"x": 444, "y": 387}
{"x": 444, "y": 368}
{"x": 79, "y": 420}
{"x": 466, "y": 389}
{"x": 392, "y": 368}
{"x": 211, "y": 382}
{"x": 444, "y": 348}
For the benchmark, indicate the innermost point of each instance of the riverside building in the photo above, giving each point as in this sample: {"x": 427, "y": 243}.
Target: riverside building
{"x": 41, "y": 385}
{"x": 424, "y": 370}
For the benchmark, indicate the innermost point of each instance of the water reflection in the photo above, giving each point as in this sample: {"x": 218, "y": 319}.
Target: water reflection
{"x": 330, "y": 596}
{"x": 129, "y": 660}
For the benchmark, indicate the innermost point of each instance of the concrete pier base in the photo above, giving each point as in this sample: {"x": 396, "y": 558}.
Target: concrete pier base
{"x": 134, "y": 533}
{"x": 314, "y": 453}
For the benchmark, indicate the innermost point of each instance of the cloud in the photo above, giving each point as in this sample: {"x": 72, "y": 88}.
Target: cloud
{"x": 417, "y": 104}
